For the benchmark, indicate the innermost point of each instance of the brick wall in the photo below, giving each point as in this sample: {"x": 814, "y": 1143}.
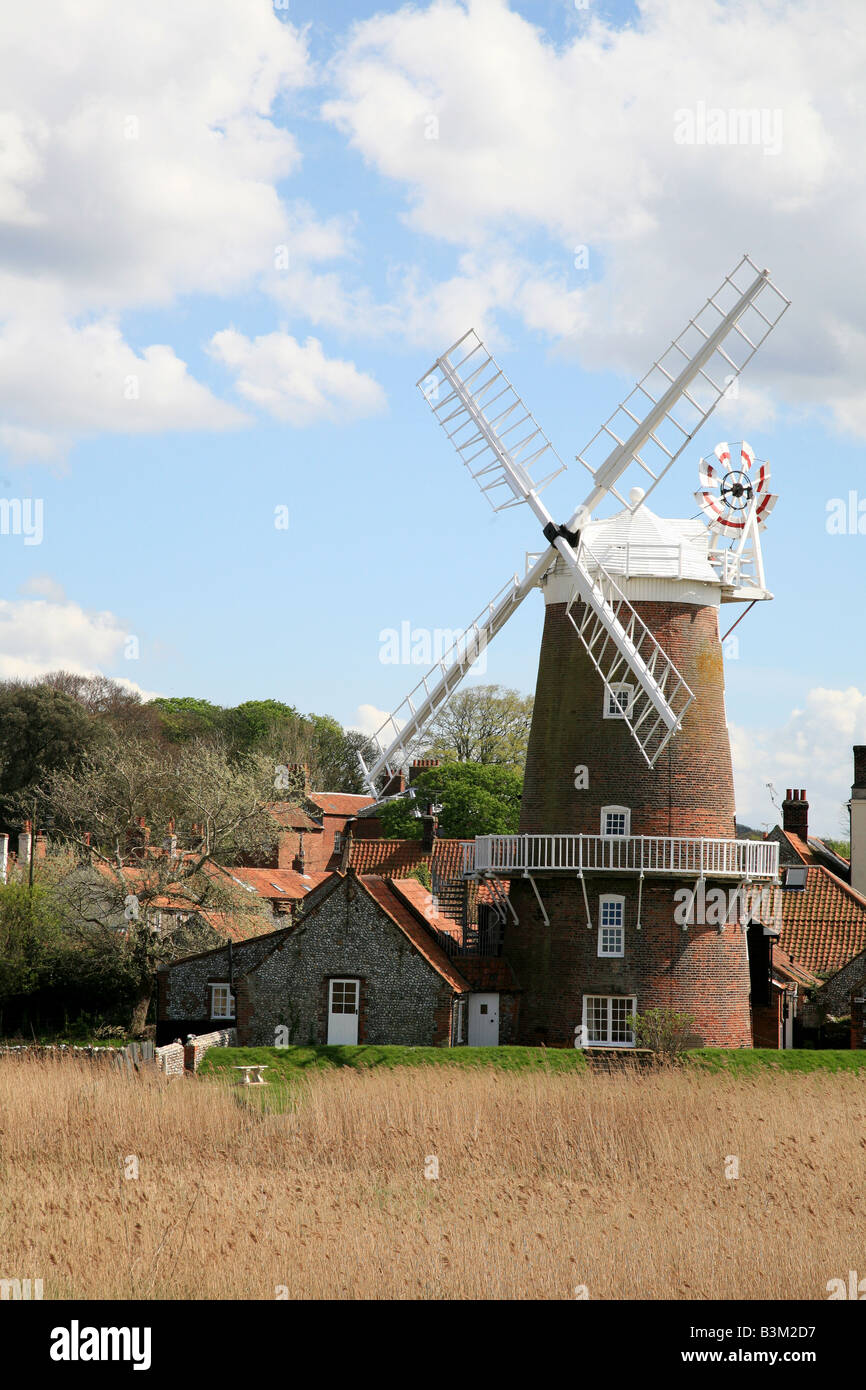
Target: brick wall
{"x": 689, "y": 792}
{"x": 701, "y": 971}
{"x": 197, "y": 1046}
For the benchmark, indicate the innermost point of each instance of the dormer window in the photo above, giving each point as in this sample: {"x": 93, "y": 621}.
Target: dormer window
{"x": 795, "y": 877}
{"x": 615, "y": 820}
{"x": 618, "y": 700}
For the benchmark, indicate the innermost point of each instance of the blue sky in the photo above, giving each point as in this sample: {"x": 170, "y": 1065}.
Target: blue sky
{"x": 231, "y": 240}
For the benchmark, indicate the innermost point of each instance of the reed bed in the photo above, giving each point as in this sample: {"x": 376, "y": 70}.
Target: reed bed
{"x": 547, "y": 1184}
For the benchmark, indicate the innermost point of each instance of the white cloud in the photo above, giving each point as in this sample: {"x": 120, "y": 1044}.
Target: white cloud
{"x": 369, "y": 719}
{"x": 296, "y": 382}
{"x": 576, "y": 143}
{"x": 811, "y": 749}
{"x": 142, "y": 157}
{"x": 44, "y": 586}
{"x": 40, "y": 635}
{"x": 78, "y": 381}
{"x": 139, "y": 161}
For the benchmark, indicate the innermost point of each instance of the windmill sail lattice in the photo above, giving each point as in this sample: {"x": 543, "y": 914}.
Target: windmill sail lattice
{"x": 663, "y": 412}
{"x": 512, "y": 460}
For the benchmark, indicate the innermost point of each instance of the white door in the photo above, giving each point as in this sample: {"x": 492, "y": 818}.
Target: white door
{"x": 343, "y": 1002}
{"x": 484, "y": 1020}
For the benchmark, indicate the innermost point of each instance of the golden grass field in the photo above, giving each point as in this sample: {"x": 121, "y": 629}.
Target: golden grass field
{"x": 547, "y": 1182}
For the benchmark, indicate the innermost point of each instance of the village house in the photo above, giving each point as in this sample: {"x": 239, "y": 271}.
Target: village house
{"x": 369, "y": 960}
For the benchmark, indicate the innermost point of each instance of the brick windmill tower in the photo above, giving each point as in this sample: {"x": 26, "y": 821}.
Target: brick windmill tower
{"x": 627, "y": 828}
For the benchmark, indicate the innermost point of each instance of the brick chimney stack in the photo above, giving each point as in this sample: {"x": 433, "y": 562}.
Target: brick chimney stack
{"x": 795, "y": 813}
{"x": 25, "y": 840}
{"x": 858, "y": 820}
{"x": 422, "y": 765}
{"x": 429, "y": 826}
{"x": 395, "y": 785}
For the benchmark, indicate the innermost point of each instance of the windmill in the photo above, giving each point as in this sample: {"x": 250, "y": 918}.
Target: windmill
{"x": 512, "y": 461}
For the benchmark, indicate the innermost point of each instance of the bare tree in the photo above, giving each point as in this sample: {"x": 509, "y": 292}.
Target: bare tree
{"x": 483, "y": 724}
{"x": 156, "y": 898}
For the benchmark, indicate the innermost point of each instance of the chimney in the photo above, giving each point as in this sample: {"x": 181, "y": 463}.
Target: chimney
{"x": 395, "y": 785}
{"x": 169, "y": 844}
{"x": 795, "y": 813}
{"x": 422, "y": 765}
{"x": 858, "y": 821}
{"x": 429, "y": 826}
{"x": 25, "y": 840}
{"x": 301, "y": 857}
{"x": 40, "y": 849}
{"x": 4, "y": 857}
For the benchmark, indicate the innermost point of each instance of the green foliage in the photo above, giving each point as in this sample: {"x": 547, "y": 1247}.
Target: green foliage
{"x": 29, "y": 938}
{"x": 475, "y": 799}
{"x": 398, "y": 822}
{"x": 185, "y": 717}
{"x": 256, "y": 722}
{"x": 288, "y": 1061}
{"x": 840, "y": 847}
{"x": 482, "y": 724}
{"x": 40, "y": 728}
{"x": 663, "y": 1031}
{"x": 423, "y": 875}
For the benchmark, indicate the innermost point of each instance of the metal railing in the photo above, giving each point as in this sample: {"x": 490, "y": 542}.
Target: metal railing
{"x": 648, "y": 854}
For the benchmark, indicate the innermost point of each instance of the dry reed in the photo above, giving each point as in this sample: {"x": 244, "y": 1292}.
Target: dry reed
{"x": 546, "y": 1182}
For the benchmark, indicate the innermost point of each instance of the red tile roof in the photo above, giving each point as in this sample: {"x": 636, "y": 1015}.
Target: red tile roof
{"x": 292, "y": 817}
{"x": 281, "y": 885}
{"x": 788, "y": 969}
{"x": 389, "y": 857}
{"x": 382, "y": 892}
{"x": 417, "y": 896}
{"x": 824, "y": 924}
{"x": 488, "y": 972}
{"x": 339, "y": 803}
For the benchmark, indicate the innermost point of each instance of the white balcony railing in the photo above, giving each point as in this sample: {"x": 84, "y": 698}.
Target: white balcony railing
{"x": 650, "y": 854}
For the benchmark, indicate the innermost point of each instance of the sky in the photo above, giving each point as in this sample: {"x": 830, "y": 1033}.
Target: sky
{"x": 233, "y": 237}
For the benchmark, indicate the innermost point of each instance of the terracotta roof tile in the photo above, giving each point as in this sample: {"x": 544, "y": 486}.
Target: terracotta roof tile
{"x": 417, "y": 896}
{"x": 488, "y": 972}
{"x": 292, "y": 817}
{"x": 339, "y": 803}
{"x": 824, "y": 924}
{"x": 382, "y": 891}
{"x": 278, "y": 884}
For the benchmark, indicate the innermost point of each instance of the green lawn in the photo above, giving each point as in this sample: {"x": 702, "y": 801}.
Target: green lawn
{"x": 287, "y": 1062}
{"x": 293, "y": 1061}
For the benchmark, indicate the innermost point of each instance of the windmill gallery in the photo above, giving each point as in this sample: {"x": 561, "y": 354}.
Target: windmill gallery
{"x": 626, "y": 887}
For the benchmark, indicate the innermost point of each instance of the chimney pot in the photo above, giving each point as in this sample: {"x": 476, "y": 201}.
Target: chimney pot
{"x": 795, "y": 813}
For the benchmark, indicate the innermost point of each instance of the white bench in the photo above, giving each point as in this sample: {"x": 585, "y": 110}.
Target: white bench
{"x": 257, "y": 1079}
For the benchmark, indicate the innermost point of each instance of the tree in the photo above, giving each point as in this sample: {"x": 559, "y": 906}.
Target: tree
{"x": 40, "y": 728}
{"x": 184, "y": 717}
{"x": 29, "y": 930}
{"x": 484, "y": 724}
{"x": 138, "y": 905}
{"x": 475, "y": 799}
{"x": 257, "y": 722}
{"x": 335, "y": 765}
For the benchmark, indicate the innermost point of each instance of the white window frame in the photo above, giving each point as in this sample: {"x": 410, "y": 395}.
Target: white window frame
{"x": 606, "y": 900}
{"x": 612, "y": 707}
{"x": 338, "y": 841}
{"x": 623, "y": 811}
{"x": 221, "y": 985}
{"x": 629, "y": 999}
{"x": 345, "y": 980}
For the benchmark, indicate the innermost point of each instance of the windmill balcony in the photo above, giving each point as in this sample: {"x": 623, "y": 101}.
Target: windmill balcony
{"x": 665, "y": 856}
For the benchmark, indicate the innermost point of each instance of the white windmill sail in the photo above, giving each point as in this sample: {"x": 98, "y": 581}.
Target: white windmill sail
{"x": 505, "y": 450}
{"x": 501, "y": 443}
